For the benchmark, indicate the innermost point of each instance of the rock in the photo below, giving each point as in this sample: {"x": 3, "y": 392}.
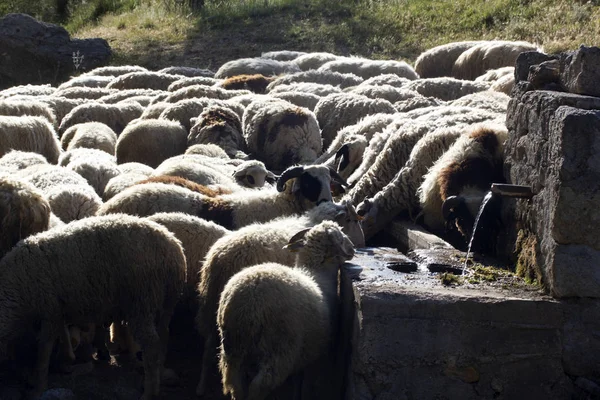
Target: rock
{"x": 34, "y": 52}
{"x": 58, "y": 394}
{"x": 526, "y": 60}
{"x": 580, "y": 72}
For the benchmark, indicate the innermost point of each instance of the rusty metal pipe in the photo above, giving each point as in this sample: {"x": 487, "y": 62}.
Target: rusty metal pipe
{"x": 507, "y": 190}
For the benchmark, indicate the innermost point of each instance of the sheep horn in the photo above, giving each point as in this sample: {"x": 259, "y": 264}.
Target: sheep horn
{"x": 337, "y": 178}
{"x": 288, "y": 174}
{"x": 449, "y": 204}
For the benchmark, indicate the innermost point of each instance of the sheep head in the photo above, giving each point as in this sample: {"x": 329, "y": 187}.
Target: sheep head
{"x": 311, "y": 185}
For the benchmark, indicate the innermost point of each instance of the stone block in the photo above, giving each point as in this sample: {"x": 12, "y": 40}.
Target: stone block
{"x": 581, "y": 72}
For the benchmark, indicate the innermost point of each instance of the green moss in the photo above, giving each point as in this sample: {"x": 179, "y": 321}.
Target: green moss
{"x": 448, "y": 279}
{"x": 527, "y": 263}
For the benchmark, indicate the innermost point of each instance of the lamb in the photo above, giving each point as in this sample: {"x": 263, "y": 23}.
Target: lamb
{"x": 23, "y": 212}
{"x": 187, "y": 71}
{"x": 282, "y": 55}
{"x": 281, "y": 134}
{"x": 198, "y": 80}
{"x": 313, "y": 60}
{"x": 143, "y": 80}
{"x": 454, "y": 187}
{"x": 446, "y": 88}
{"x": 366, "y": 68}
{"x": 256, "y": 83}
{"x": 116, "y": 116}
{"x": 20, "y": 108}
{"x": 439, "y": 61}
{"x": 208, "y": 150}
{"x": 298, "y": 189}
{"x": 253, "y": 315}
{"x": 151, "y": 141}
{"x": 220, "y": 126}
{"x": 29, "y": 133}
{"x": 323, "y": 77}
{"x": 339, "y": 110}
{"x": 16, "y": 160}
{"x": 140, "y": 286}
{"x": 90, "y": 135}
{"x": 301, "y": 99}
{"x": 489, "y": 55}
{"x": 251, "y": 66}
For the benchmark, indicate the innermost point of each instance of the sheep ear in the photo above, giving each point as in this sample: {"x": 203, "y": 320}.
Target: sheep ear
{"x": 296, "y": 242}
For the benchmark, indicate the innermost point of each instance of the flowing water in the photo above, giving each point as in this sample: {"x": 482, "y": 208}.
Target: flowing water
{"x": 484, "y": 202}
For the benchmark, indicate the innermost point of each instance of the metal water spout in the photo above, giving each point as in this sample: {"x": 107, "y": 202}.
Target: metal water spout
{"x": 508, "y": 190}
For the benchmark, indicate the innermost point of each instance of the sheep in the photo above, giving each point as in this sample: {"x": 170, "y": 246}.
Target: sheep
{"x": 251, "y": 66}
{"x": 83, "y": 154}
{"x": 253, "y": 174}
{"x": 416, "y": 102}
{"x": 23, "y": 212}
{"x": 115, "y": 70}
{"x": 489, "y": 55}
{"x": 446, "y": 88}
{"x": 495, "y": 74}
{"x": 386, "y": 79}
{"x": 96, "y": 81}
{"x": 282, "y": 55}
{"x": 127, "y": 94}
{"x": 34, "y": 108}
{"x": 301, "y": 99}
{"x": 121, "y": 182}
{"x": 143, "y": 80}
{"x": 198, "y": 80}
{"x": 97, "y": 171}
{"x": 208, "y": 149}
{"x": 187, "y": 71}
{"x": 281, "y": 134}
{"x": 221, "y": 126}
{"x": 454, "y": 187}
{"x": 488, "y": 100}
{"x": 27, "y": 90}
{"x": 403, "y": 134}
{"x": 366, "y": 68}
{"x": 200, "y": 91}
{"x": 197, "y": 237}
{"x": 298, "y": 189}
{"x": 349, "y": 156}
{"x": 91, "y": 135}
{"x": 68, "y": 193}
{"x": 202, "y": 174}
{"x": 153, "y": 111}
{"x": 184, "y": 110}
{"x": 139, "y": 285}
{"x": 323, "y": 77}
{"x": 116, "y": 116}
{"x": 438, "y": 61}
{"x": 60, "y": 106}
{"x": 339, "y": 110}
{"x": 256, "y": 83}
{"x": 79, "y": 92}
{"x": 16, "y": 160}
{"x": 29, "y": 133}
{"x": 150, "y": 141}
{"x": 306, "y": 87}
{"x": 387, "y": 92}
{"x": 504, "y": 84}
{"x": 212, "y": 191}
{"x": 135, "y": 167}
{"x": 254, "y": 244}
{"x": 253, "y": 316}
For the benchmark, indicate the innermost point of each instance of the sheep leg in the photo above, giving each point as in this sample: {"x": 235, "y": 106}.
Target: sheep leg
{"x": 147, "y": 336}
{"x": 209, "y": 357}
{"x": 45, "y": 345}
{"x": 167, "y": 376}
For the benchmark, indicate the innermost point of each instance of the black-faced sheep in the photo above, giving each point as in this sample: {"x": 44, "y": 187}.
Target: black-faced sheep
{"x": 253, "y": 316}
{"x": 46, "y": 284}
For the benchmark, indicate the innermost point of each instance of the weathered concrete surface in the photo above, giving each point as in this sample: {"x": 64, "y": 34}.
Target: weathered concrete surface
{"x": 412, "y": 338}
{"x": 554, "y": 146}
{"x": 411, "y": 236}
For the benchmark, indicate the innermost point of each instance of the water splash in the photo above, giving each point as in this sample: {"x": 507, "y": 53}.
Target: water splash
{"x": 484, "y": 202}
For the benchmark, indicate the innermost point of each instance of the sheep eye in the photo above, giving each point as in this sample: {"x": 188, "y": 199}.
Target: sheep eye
{"x": 250, "y": 179}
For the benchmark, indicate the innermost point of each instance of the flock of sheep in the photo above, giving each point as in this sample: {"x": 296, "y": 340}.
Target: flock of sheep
{"x": 239, "y": 194}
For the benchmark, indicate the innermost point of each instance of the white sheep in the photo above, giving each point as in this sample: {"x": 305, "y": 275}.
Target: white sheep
{"x": 29, "y": 133}
{"x": 31, "y": 107}
{"x": 384, "y": 91}
{"x": 366, "y": 68}
{"x": 313, "y": 60}
{"x": 197, "y": 80}
{"x": 115, "y": 70}
{"x": 78, "y": 92}
{"x": 47, "y": 283}
{"x": 116, "y": 116}
{"x": 281, "y": 134}
{"x": 301, "y": 99}
{"x": 126, "y": 94}
{"x": 282, "y": 55}
{"x": 488, "y": 100}
{"x": 493, "y": 75}
{"x": 16, "y": 160}
{"x": 339, "y": 110}
{"x": 121, "y": 182}
{"x": 83, "y": 153}
{"x": 439, "y": 61}
{"x": 200, "y": 173}
{"x": 298, "y": 189}
{"x": 91, "y": 135}
{"x": 60, "y": 106}
{"x": 221, "y": 126}
{"x": 504, "y": 84}
{"x": 184, "y": 110}
{"x": 323, "y": 77}
{"x": 488, "y": 55}
{"x": 416, "y": 102}
{"x": 27, "y": 90}
{"x": 255, "y": 244}
{"x": 97, "y": 81}
{"x": 386, "y": 79}
{"x": 250, "y": 66}
{"x": 143, "y": 80}
{"x": 319, "y": 89}
{"x": 209, "y": 150}
{"x": 446, "y": 88}
{"x": 153, "y": 111}
{"x": 187, "y": 71}
{"x": 200, "y": 91}
{"x": 23, "y": 212}
{"x": 253, "y": 316}
{"x": 96, "y": 169}
{"x": 150, "y": 141}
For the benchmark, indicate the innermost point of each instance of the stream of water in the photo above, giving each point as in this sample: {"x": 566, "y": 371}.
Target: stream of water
{"x": 484, "y": 202}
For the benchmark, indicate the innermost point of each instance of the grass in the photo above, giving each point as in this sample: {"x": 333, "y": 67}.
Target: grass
{"x": 158, "y": 33}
